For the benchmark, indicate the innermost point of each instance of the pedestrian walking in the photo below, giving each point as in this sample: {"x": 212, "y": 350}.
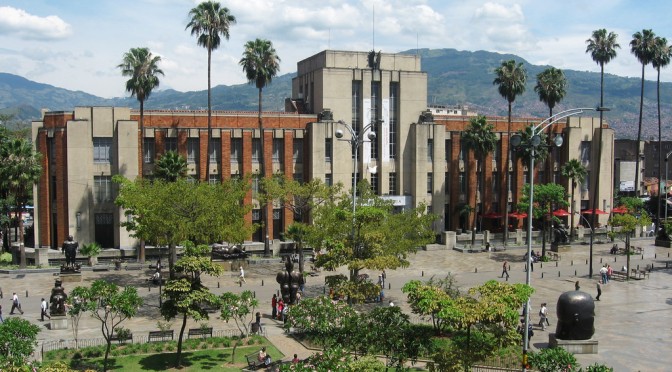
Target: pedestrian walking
{"x": 610, "y": 270}
{"x": 603, "y": 274}
{"x": 543, "y": 317}
{"x": 43, "y": 310}
{"x": 384, "y": 276}
{"x": 599, "y": 291}
{"x": 505, "y": 269}
{"x": 577, "y": 286}
{"x": 274, "y": 306}
{"x": 258, "y": 320}
{"x": 242, "y": 275}
{"x": 15, "y": 304}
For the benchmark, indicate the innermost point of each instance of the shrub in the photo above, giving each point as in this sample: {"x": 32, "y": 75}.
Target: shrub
{"x": 554, "y": 359}
{"x": 6, "y": 258}
{"x": 598, "y": 368}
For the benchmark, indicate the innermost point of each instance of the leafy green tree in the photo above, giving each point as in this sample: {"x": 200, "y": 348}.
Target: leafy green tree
{"x": 18, "y": 338}
{"x": 628, "y": 222}
{"x": 382, "y": 238}
{"x": 261, "y": 64}
{"x": 142, "y": 69}
{"x": 20, "y": 169}
{"x": 185, "y": 294}
{"x": 168, "y": 213}
{"x": 643, "y": 46}
{"x": 209, "y": 21}
{"x": 553, "y": 360}
{"x": 239, "y": 308}
{"x": 545, "y": 197}
{"x": 110, "y": 306}
{"x": 480, "y": 137}
{"x": 429, "y": 298}
{"x": 321, "y": 318}
{"x": 171, "y": 166}
{"x": 661, "y": 58}
{"x": 76, "y": 308}
{"x": 510, "y": 79}
{"x": 576, "y": 173}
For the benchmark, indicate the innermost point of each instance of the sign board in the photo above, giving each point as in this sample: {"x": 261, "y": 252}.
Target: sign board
{"x": 627, "y": 186}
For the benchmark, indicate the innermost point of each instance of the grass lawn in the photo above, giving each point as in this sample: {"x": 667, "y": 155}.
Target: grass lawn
{"x": 161, "y": 357}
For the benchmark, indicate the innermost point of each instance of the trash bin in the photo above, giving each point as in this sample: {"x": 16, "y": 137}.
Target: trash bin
{"x": 255, "y": 328}
{"x": 16, "y": 253}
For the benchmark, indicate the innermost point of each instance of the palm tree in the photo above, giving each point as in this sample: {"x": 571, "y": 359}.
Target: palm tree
{"x": 143, "y": 71}
{"x": 208, "y": 21}
{"x": 261, "y": 64}
{"x": 643, "y": 46}
{"x": 602, "y": 48}
{"x": 510, "y": 80}
{"x": 551, "y": 88}
{"x": 576, "y": 173}
{"x": 171, "y": 166}
{"x": 20, "y": 169}
{"x": 661, "y": 58}
{"x": 481, "y": 138}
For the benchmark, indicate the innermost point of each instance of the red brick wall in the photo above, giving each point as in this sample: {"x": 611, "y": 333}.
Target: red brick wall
{"x": 203, "y": 155}
{"x": 455, "y": 180}
{"x": 226, "y": 155}
{"x": 61, "y": 142}
{"x": 43, "y": 185}
{"x": 159, "y": 142}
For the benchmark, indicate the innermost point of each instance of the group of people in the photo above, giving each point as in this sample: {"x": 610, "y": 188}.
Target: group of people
{"x": 278, "y": 308}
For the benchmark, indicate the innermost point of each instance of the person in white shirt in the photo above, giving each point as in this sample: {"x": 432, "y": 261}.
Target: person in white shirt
{"x": 43, "y": 309}
{"x": 15, "y": 304}
{"x": 242, "y": 275}
{"x": 543, "y": 317}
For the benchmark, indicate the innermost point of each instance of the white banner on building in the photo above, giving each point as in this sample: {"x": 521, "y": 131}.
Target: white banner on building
{"x": 366, "y": 147}
{"x": 385, "y": 131}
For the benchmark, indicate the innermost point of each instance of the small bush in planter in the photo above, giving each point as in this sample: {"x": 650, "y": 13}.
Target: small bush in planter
{"x": 91, "y": 250}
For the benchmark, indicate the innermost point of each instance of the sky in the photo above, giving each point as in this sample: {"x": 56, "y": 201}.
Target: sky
{"x": 77, "y": 45}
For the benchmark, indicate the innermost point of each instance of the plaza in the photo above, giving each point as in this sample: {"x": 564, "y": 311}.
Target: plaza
{"x": 628, "y": 317}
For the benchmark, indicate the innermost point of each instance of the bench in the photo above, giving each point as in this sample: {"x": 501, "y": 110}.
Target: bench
{"x": 134, "y": 267}
{"x": 160, "y": 336}
{"x": 253, "y": 362}
{"x": 97, "y": 268}
{"x": 639, "y": 274}
{"x": 553, "y": 256}
{"x": 497, "y": 249}
{"x": 122, "y": 339}
{"x": 621, "y": 275}
{"x": 202, "y": 332}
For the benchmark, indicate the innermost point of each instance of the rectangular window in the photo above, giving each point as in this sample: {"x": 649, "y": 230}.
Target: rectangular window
{"x": 495, "y": 184}
{"x": 374, "y": 183}
{"x": 392, "y": 180}
{"x": 297, "y": 154}
{"x": 328, "y": 149}
{"x": 394, "y": 109}
{"x": 585, "y": 152}
{"x": 447, "y": 155}
{"x": 256, "y": 150}
{"x": 328, "y": 180}
{"x": 51, "y": 150}
{"x": 356, "y": 105}
{"x": 192, "y": 150}
{"x": 585, "y": 186}
{"x": 102, "y": 150}
{"x": 148, "y": 150}
{"x": 255, "y": 185}
{"x": 376, "y": 115}
{"x": 463, "y": 151}
{"x": 278, "y": 150}
{"x": 102, "y": 189}
{"x": 215, "y": 150}
{"x": 430, "y": 150}
{"x": 430, "y": 183}
{"x": 213, "y": 179}
{"x": 171, "y": 144}
{"x": 447, "y": 183}
{"x": 256, "y": 216}
{"x": 236, "y": 150}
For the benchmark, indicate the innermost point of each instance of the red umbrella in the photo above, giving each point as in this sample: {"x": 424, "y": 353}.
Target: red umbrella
{"x": 518, "y": 215}
{"x": 560, "y": 213}
{"x": 492, "y": 215}
{"x": 590, "y": 211}
{"x": 621, "y": 210}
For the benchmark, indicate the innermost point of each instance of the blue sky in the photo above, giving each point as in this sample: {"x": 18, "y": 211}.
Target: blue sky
{"x": 78, "y": 44}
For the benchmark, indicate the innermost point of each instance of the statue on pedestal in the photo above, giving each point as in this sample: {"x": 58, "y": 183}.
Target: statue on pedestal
{"x": 70, "y": 247}
{"x": 57, "y": 300}
{"x": 290, "y": 281}
{"x": 576, "y": 316}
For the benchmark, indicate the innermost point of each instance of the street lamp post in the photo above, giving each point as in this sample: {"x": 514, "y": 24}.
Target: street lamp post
{"x": 355, "y": 140}
{"x": 534, "y": 143}
{"x": 666, "y": 192}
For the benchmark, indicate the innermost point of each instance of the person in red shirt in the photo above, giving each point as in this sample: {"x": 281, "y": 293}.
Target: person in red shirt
{"x": 274, "y": 306}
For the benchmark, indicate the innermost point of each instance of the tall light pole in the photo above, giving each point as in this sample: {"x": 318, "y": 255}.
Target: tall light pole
{"x": 596, "y": 186}
{"x": 355, "y": 140}
{"x": 666, "y": 192}
{"x": 534, "y": 142}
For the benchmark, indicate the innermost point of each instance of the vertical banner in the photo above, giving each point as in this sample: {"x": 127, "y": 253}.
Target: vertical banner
{"x": 385, "y": 131}
{"x": 366, "y": 147}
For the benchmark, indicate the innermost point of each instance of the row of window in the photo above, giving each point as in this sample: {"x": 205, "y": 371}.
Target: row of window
{"x": 102, "y": 150}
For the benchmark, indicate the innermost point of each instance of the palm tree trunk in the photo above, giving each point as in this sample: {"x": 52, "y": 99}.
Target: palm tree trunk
{"x": 571, "y": 231}
{"x": 596, "y": 169}
{"x": 660, "y": 156}
{"x": 264, "y": 207}
{"x": 22, "y": 245}
{"x": 141, "y": 248}
{"x": 207, "y": 156}
{"x": 639, "y": 134}
{"x": 508, "y": 181}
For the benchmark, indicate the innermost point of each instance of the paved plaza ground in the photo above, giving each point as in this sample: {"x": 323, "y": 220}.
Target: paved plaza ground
{"x": 632, "y": 319}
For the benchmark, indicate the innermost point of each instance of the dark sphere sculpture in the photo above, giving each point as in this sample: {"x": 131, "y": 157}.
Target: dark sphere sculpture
{"x": 576, "y": 316}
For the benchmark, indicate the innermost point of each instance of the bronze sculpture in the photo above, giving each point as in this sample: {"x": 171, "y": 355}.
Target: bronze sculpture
{"x": 290, "y": 281}
{"x": 576, "y": 316}
{"x": 57, "y": 299}
{"x": 70, "y": 247}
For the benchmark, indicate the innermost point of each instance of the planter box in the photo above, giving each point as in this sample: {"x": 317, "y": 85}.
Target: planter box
{"x": 663, "y": 243}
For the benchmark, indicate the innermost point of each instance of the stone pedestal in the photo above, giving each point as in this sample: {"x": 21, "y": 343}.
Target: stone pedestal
{"x": 450, "y": 239}
{"x": 71, "y": 278}
{"x": 42, "y": 257}
{"x": 58, "y": 322}
{"x": 574, "y": 346}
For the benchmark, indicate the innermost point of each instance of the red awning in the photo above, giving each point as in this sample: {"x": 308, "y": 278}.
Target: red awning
{"x": 560, "y": 213}
{"x": 590, "y": 211}
{"x": 518, "y": 215}
{"x": 621, "y": 210}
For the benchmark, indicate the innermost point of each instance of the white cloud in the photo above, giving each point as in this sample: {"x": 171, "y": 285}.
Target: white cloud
{"x": 498, "y": 12}
{"x": 31, "y": 27}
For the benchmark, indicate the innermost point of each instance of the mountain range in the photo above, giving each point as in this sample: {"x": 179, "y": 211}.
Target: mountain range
{"x": 454, "y": 78}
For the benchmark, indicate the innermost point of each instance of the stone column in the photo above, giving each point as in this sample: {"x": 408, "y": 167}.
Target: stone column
{"x": 450, "y": 238}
